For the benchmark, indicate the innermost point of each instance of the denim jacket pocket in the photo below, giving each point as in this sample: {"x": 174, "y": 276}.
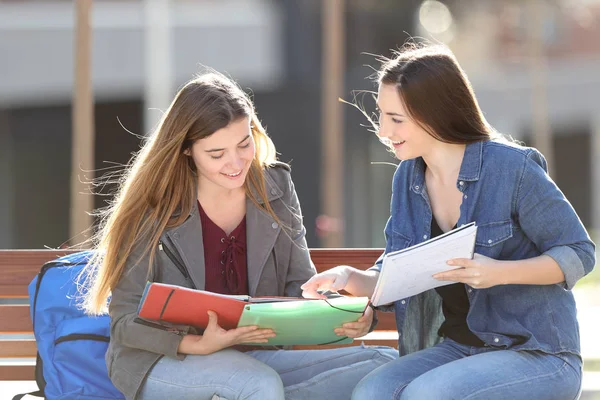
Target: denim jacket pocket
{"x": 400, "y": 241}
{"x": 493, "y": 233}
{"x": 491, "y": 238}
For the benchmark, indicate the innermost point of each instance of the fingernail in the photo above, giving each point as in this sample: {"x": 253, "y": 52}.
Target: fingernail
{"x": 450, "y": 262}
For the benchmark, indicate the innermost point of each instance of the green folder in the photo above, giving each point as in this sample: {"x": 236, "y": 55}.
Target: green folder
{"x": 305, "y": 322}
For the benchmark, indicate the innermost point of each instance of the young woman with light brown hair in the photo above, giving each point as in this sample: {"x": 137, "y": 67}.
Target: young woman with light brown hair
{"x": 206, "y": 205}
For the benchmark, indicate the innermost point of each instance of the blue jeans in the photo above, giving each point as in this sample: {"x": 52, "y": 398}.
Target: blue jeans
{"x": 453, "y": 371}
{"x": 265, "y": 374}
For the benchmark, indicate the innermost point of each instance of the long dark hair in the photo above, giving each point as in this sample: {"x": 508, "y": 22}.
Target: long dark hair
{"x": 436, "y": 93}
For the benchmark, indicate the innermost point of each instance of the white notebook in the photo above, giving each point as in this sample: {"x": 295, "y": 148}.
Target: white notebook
{"x": 409, "y": 271}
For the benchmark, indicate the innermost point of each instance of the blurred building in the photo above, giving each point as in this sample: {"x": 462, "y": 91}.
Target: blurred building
{"x": 242, "y": 38}
{"x": 273, "y": 47}
{"x": 492, "y": 44}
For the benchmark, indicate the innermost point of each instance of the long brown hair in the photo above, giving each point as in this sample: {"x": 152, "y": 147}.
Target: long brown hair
{"x": 158, "y": 189}
{"x": 436, "y": 93}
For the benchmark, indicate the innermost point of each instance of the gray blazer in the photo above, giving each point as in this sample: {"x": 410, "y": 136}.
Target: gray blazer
{"x": 278, "y": 263}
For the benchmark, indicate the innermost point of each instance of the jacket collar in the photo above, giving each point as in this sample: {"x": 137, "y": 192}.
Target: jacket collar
{"x": 273, "y": 191}
{"x": 470, "y": 169}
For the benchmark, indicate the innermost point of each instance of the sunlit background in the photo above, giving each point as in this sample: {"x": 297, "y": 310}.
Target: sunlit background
{"x": 534, "y": 65}
{"x": 79, "y": 80}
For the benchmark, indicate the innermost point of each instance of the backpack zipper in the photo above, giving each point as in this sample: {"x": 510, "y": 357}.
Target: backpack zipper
{"x": 82, "y": 336}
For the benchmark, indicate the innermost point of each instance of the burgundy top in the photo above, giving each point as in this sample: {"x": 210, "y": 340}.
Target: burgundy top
{"x": 224, "y": 257}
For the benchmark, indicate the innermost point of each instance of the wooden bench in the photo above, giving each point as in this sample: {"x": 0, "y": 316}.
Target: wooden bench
{"x": 18, "y": 268}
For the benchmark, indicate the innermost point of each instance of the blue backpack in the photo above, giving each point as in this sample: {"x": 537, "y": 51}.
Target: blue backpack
{"x": 71, "y": 345}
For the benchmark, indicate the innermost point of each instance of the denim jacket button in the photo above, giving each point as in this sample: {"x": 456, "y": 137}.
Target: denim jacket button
{"x": 274, "y": 225}
{"x": 465, "y": 196}
{"x": 403, "y": 302}
{"x": 496, "y": 340}
{"x": 424, "y": 236}
{"x": 470, "y": 290}
{"x": 416, "y": 188}
{"x": 461, "y": 183}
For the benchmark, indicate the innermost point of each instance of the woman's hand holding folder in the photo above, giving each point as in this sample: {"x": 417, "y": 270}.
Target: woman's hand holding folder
{"x": 334, "y": 280}
{"x": 358, "y": 328}
{"x": 216, "y": 338}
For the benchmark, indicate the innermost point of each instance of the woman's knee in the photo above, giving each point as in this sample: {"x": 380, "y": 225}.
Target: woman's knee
{"x": 380, "y": 387}
{"x": 262, "y": 383}
{"x": 259, "y": 383}
{"x": 375, "y": 385}
{"x": 364, "y": 388}
{"x": 227, "y": 374}
{"x": 420, "y": 389}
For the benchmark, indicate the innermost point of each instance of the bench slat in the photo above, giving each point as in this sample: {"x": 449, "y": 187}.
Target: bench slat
{"x": 358, "y": 258}
{"x": 20, "y": 266}
{"x": 17, "y": 373}
{"x": 387, "y": 321}
{"x": 15, "y": 319}
{"x": 18, "y": 349}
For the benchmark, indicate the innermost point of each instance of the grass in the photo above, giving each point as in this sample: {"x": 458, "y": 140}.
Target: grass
{"x": 593, "y": 278}
{"x": 591, "y": 364}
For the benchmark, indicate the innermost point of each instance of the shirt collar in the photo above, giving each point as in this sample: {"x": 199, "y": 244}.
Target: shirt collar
{"x": 470, "y": 168}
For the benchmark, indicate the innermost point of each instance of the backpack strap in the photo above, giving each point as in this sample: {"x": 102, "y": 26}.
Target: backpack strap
{"x": 39, "y": 378}
{"x": 37, "y": 393}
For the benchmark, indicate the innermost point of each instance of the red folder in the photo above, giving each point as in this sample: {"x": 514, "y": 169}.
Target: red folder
{"x": 179, "y": 305}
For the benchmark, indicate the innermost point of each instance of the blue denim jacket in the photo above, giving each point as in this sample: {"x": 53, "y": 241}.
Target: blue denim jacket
{"x": 520, "y": 214}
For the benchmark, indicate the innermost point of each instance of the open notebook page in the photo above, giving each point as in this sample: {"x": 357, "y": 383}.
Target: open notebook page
{"x": 409, "y": 271}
